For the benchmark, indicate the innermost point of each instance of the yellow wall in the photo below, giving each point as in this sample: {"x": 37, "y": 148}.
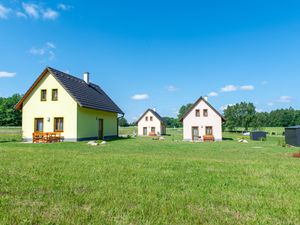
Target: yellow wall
{"x": 65, "y": 107}
{"x": 88, "y": 124}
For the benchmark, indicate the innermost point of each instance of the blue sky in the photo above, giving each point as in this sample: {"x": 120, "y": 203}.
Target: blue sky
{"x": 158, "y": 54}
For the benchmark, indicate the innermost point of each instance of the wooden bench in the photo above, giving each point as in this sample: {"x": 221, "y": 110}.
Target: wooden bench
{"x": 208, "y": 138}
{"x": 152, "y": 134}
{"x": 46, "y": 137}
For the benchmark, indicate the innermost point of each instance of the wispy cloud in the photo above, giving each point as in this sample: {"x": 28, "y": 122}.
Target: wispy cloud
{"x": 64, "y": 7}
{"x": 232, "y": 88}
{"x": 5, "y": 74}
{"x": 4, "y": 12}
{"x": 50, "y": 45}
{"x": 46, "y": 50}
{"x": 172, "y": 88}
{"x": 140, "y": 97}
{"x": 213, "y": 94}
{"x": 50, "y": 14}
{"x": 229, "y": 88}
{"x": 32, "y": 10}
{"x": 270, "y": 104}
{"x": 37, "y": 51}
{"x": 264, "y": 82}
{"x": 285, "y": 99}
{"x": 247, "y": 88}
{"x": 21, "y": 15}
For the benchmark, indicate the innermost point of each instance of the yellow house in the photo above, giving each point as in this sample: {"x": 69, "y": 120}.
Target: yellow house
{"x": 76, "y": 107}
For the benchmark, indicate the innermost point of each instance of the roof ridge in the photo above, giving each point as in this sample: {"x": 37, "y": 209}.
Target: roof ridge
{"x": 67, "y": 74}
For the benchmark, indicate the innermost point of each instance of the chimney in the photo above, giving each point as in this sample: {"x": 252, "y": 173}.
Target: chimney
{"x": 154, "y": 109}
{"x": 206, "y": 98}
{"x": 86, "y": 77}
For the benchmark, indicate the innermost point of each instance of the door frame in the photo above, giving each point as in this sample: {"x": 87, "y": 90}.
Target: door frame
{"x": 100, "y": 131}
{"x": 193, "y": 137}
{"x": 145, "y": 129}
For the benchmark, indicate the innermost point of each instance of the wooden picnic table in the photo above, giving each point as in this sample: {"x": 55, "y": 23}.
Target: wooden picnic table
{"x": 46, "y": 137}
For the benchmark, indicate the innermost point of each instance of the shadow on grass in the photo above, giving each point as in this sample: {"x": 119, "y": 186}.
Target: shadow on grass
{"x": 11, "y": 141}
{"x": 227, "y": 139}
{"x": 118, "y": 139}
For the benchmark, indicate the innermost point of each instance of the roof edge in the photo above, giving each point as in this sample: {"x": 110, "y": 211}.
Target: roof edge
{"x": 152, "y": 111}
{"x": 194, "y": 105}
{"x": 19, "y": 105}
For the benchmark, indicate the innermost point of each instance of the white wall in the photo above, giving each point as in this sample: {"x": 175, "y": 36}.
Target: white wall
{"x": 213, "y": 120}
{"x": 155, "y": 123}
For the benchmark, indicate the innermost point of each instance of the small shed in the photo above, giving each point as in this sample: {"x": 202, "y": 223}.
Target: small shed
{"x": 292, "y": 136}
{"x": 258, "y": 135}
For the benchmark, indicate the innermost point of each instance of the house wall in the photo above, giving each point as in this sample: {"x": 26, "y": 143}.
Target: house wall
{"x": 65, "y": 107}
{"x": 88, "y": 123}
{"x": 201, "y": 122}
{"x": 155, "y": 123}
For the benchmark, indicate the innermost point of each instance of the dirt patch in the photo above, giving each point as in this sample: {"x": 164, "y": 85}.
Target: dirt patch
{"x": 296, "y": 155}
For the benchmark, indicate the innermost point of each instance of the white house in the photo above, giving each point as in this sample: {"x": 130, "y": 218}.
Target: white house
{"x": 202, "y": 122}
{"x": 151, "y": 124}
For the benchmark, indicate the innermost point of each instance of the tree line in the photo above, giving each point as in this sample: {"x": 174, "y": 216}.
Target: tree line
{"x": 245, "y": 115}
{"x": 8, "y": 115}
{"x": 239, "y": 115}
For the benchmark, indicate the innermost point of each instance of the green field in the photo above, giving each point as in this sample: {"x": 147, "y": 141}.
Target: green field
{"x": 8, "y": 134}
{"x": 273, "y": 131}
{"x": 145, "y": 181}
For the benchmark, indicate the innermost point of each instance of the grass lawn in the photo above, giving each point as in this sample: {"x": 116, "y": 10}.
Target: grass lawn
{"x": 8, "y": 134}
{"x": 143, "y": 181}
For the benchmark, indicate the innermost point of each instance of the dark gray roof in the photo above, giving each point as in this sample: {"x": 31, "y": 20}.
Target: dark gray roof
{"x": 86, "y": 95}
{"x": 154, "y": 113}
{"x": 293, "y": 127}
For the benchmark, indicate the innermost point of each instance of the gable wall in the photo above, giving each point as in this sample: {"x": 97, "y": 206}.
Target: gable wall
{"x": 65, "y": 107}
{"x": 201, "y": 122}
{"x": 155, "y": 123}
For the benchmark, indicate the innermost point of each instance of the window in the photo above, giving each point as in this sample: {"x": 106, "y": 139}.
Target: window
{"x": 58, "y": 124}
{"x": 152, "y": 129}
{"x": 54, "y": 94}
{"x": 43, "y": 95}
{"x": 151, "y": 118}
{"x": 205, "y": 113}
{"x": 208, "y": 130}
{"x": 38, "y": 124}
{"x": 197, "y": 113}
{"x": 146, "y": 118}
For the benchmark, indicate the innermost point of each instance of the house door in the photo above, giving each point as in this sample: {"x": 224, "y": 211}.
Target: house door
{"x": 195, "y": 133}
{"x": 145, "y": 131}
{"x": 100, "y": 129}
{"x": 39, "y": 124}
